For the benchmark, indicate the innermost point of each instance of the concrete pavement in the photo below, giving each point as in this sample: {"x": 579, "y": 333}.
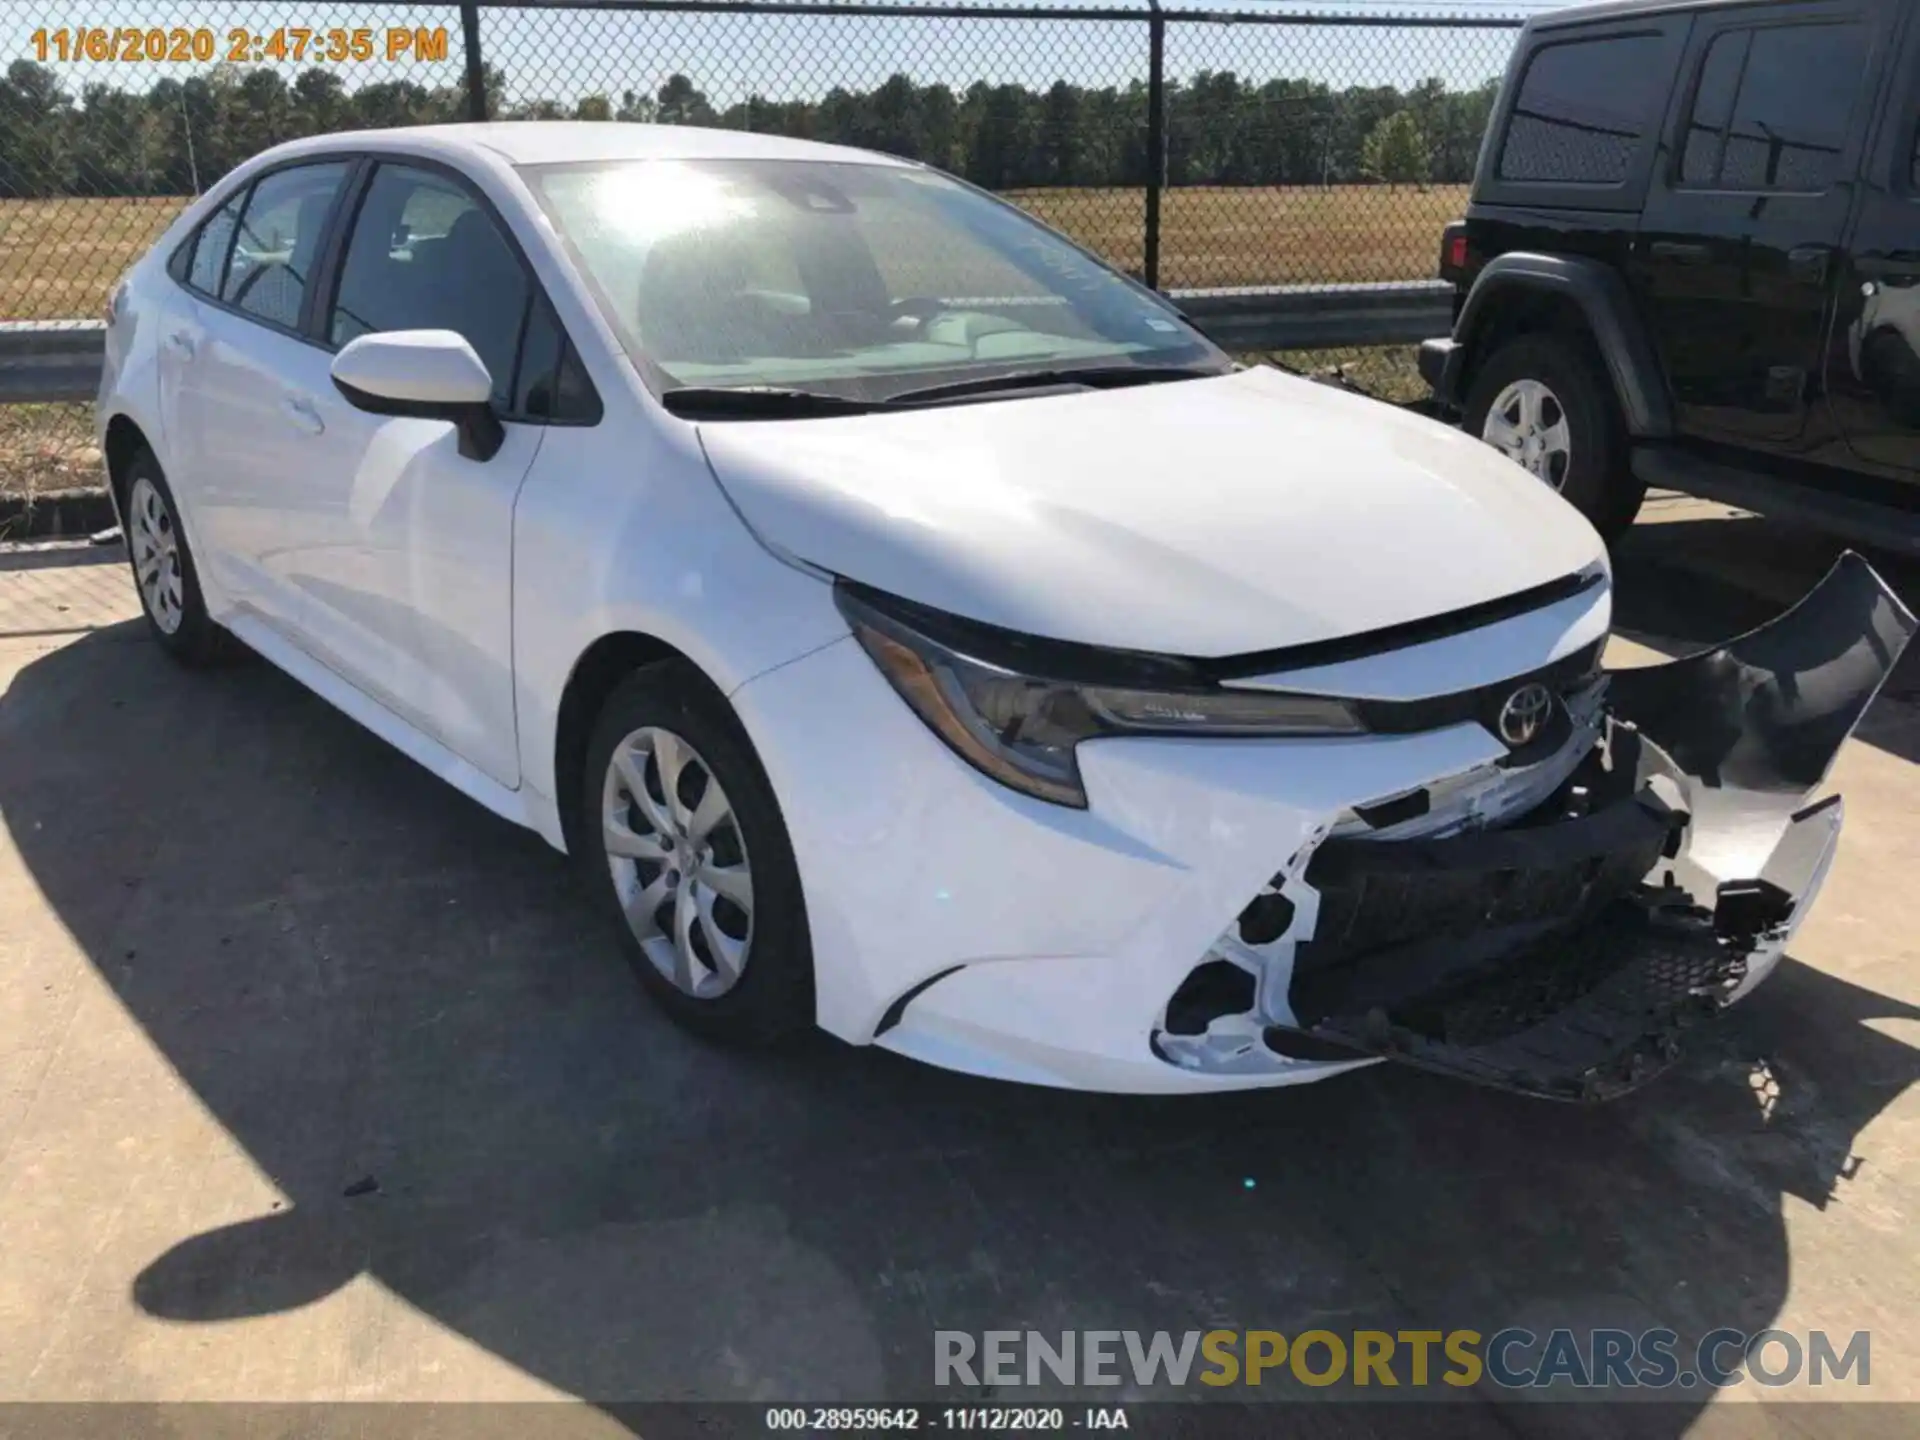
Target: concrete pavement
{"x": 316, "y": 1082}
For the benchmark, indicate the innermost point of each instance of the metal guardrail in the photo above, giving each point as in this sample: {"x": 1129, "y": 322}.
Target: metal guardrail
{"x": 1303, "y": 317}
{"x": 50, "y": 360}
{"x": 60, "y": 360}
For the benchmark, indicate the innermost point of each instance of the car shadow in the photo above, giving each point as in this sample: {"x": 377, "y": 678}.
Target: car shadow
{"x": 398, "y": 1006}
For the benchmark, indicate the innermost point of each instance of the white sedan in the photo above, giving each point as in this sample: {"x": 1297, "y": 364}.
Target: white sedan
{"x": 915, "y": 628}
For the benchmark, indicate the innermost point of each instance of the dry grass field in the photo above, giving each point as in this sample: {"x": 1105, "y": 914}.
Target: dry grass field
{"x": 57, "y": 257}
{"x": 1213, "y": 236}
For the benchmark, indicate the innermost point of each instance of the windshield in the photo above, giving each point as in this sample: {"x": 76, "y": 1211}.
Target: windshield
{"x": 857, "y": 280}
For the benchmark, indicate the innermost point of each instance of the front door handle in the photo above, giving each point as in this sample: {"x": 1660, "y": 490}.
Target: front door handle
{"x": 300, "y": 410}
{"x": 1809, "y": 263}
{"x": 1681, "y": 252}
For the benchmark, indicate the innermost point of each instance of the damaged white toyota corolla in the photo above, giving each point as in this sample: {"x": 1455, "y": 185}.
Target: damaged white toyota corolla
{"x": 915, "y": 628}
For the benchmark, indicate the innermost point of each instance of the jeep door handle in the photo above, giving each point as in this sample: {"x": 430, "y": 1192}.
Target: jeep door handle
{"x": 1809, "y": 262}
{"x": 1681, "y": 252}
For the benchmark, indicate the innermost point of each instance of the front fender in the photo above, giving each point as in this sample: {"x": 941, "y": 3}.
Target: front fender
{"x": 620, "y": 530}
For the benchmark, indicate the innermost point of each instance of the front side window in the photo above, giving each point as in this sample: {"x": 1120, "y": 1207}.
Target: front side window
{"x": 278, "y": 240}
{"x": 425, "y": 255}
{"x": 551, "y": 385}
{"x": 1584, "y": 109}
{"x": 856, "y": 279}
{"x": 1773, "y": 108}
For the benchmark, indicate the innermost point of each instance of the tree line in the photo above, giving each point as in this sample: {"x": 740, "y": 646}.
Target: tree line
{"x": 178, "y": 137}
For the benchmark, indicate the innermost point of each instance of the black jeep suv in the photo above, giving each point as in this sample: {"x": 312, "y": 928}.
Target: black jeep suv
{"x": 1692, "y": 260}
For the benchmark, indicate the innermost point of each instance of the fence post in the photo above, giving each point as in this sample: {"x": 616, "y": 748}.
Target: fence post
{"x": 1156, "y": 138}
{"x": 476, "y": 71}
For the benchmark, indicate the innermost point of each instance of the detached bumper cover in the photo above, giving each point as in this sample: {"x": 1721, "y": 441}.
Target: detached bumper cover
{"x": 1566, "y": 955}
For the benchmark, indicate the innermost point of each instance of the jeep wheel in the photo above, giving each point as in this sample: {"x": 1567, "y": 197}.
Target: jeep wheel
{"x": 1542, "y": 401}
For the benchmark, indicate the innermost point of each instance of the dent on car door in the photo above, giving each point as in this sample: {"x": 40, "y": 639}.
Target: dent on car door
{"x": 410, "y": 599}
{"x": 1740, "y": 238}
{"x": 241, "y": 415}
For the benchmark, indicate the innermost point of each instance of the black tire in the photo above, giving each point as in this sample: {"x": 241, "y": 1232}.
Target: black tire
{"x": 1595, "y": 479}
{"x": 176, "y": 618}
{"x": 772, "y": 999}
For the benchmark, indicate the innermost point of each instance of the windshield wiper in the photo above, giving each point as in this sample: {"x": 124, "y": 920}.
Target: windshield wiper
{"x": 1098, "y": 377}
{"x": 763, "y": 402}
{"x": 781, "y": 402}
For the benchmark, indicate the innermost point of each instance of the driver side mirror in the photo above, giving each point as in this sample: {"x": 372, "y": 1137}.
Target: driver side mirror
{"x": 426, "y": 375}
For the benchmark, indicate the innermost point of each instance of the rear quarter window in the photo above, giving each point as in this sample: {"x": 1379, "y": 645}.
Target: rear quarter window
{"x": 1584, "y": 109}
{"x": 209, "y": 255}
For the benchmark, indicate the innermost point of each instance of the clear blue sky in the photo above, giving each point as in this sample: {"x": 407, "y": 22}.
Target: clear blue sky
{"x": 566, "y": 54}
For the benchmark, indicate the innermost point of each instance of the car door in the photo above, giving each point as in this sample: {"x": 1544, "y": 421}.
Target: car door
{"x": 407, "y": 567}
{"x": 239, "y": 379}
{"x": 1736, "y": 260}
{"x": 1873, "y": 355}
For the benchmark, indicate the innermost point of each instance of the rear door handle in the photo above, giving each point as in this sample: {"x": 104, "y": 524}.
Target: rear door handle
{"x": 181, "y": 343}
{"x": 300, "y": 410}
{"x": 1681, "y": 252}
{"x": 1809, "y": 262}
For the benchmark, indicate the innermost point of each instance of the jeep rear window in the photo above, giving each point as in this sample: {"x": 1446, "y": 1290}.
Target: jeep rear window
{"x": 1584, "y": 107}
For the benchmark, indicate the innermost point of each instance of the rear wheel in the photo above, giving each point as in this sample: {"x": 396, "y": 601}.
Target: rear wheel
{"x": 682, "y": 838}
{"x": 1542, "y": 401}
{"x": 164, "y": 574}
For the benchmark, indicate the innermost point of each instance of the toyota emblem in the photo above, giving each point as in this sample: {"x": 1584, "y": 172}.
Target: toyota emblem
{"x": 1524, "y": 714}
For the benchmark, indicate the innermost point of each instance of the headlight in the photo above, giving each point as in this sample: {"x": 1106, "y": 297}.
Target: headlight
{"x": 1021, "y": 727}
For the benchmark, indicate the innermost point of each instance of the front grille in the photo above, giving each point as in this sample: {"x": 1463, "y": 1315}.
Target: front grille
{"x": 1564, "y": 677}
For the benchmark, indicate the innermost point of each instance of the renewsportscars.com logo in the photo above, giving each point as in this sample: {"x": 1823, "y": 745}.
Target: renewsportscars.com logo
{"x": 1513, "y": 1358}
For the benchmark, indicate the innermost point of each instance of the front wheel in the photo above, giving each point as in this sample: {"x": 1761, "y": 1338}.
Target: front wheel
{"x": 1542, "y": 401}
{"x": 682, "y": 838}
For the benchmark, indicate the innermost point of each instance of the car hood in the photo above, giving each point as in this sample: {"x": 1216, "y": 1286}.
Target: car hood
{"x": 1208, "y": 517}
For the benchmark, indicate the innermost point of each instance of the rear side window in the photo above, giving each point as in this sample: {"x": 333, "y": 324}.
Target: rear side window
{"x": 1584, "y": 108}
{"x": 278, "y": 240}
{"x": 1713, "y": 108}
{"x": 1773, "y": 108}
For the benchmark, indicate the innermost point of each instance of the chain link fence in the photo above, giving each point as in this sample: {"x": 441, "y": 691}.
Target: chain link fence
{"x": 1196, "y": 148}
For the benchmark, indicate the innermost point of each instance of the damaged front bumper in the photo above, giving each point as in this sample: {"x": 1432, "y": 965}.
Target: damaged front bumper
{"x": 1562, "y": 951}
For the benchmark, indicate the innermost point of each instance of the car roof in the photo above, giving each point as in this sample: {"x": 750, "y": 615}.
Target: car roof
{"x": 1625, "y": 9}
{"x": 540, "y": 142}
